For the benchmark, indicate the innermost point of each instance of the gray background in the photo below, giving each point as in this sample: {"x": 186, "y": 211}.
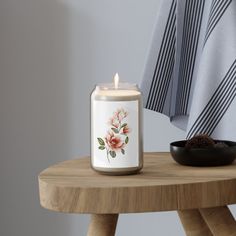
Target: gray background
{"x": 52, "y": 53}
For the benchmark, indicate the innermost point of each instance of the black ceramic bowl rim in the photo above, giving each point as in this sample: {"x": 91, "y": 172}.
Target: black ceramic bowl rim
{"x": 211, "y": 156}
{"x": 181, "y": 144}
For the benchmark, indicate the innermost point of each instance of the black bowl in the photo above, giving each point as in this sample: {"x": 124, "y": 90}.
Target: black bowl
{"x": 212, "y": 156}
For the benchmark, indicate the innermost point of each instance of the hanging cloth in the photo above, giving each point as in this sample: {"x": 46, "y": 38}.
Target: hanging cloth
{"x": 190, "y": 74}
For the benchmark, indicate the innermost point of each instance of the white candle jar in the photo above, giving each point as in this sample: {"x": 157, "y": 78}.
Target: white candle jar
{"x": 116, "y": 129}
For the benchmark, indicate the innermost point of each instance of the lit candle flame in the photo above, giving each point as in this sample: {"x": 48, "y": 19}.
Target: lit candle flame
{"x": 116, "y": 80}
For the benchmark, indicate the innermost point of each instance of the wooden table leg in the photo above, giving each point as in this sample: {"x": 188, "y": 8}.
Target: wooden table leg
{"x": 102, "y": 225}
{"x": 219, "y": 220}
{"x": 193, "y": 223}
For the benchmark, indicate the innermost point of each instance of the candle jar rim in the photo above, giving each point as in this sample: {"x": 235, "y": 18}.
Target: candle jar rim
{"x": 121, "y": 86}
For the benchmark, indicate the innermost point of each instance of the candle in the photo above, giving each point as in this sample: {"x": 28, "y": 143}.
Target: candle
{"x": 116, "y": 128}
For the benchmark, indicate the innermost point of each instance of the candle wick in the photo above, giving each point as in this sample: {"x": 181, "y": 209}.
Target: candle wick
{"x": 116, "y": 81}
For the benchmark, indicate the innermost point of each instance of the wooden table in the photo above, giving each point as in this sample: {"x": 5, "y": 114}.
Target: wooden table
{"x": 200, "y": 195}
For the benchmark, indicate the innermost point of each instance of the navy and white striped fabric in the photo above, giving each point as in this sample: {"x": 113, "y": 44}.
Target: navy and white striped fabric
{"x": 190, "y": 74}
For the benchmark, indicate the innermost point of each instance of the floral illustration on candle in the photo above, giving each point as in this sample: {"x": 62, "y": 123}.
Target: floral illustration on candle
{"x": 117, "y": 136}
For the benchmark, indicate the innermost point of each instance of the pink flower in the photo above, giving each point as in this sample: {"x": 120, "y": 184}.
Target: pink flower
{"x": 114, "y": 122}
{"x": 126, "y": 130}
{"x": 120, "y": 114}
{"x": 114, "y": 142}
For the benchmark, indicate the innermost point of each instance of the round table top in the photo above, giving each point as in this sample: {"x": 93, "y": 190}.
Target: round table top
{"x": 163, "y": 185}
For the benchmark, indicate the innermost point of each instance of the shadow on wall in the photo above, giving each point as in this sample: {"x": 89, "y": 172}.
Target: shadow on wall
{"x": 83, "y": 60}
{"x": 36, "y": 112}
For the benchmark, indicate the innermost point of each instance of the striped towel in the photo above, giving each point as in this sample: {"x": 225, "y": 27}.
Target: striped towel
{"x": 190, "y": 74}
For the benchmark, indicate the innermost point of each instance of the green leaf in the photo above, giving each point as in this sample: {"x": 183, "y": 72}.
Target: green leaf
{"x": 113, "y": 154}
{"x": 101, "y": 142}
{"x": 123, "y": 151}
{"x": 115, "y": 130}
{"x": 126, "y": 139}
{"x": 101, "y": 147}
{"x": 122, "y": 126}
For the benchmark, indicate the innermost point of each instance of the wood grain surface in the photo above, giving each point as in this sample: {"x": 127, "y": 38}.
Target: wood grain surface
{"x": 102, "y": 225}
{"x": 219, "y": 220}
{"x": 193, "y": 223}
{"x": 72, "y": 186}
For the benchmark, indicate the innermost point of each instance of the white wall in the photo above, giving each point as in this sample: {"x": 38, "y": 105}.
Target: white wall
{"x": 52, "y": 53}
